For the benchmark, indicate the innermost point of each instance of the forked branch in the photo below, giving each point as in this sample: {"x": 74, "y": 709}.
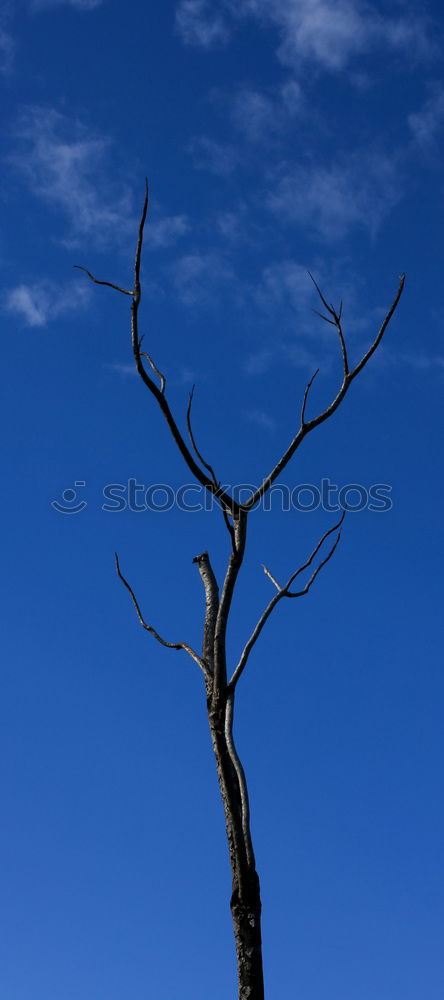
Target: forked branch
{"x": 204, "y": 472}
{"x": 159, "y": 393}
{"x": 308, "y": 425}
{"x": 149, "y": 628}
{"x": 336, "y": 321}
{"x": 286, "y": 592}
{"x": 209, "y": 468}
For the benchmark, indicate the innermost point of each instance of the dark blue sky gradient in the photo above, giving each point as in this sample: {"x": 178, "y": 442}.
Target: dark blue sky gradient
{"x": 277, "y": 138}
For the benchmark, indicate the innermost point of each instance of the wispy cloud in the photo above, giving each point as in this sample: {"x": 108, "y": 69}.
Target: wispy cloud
{"x": 44, "y": 301}
{"x": 417, "y": 361}
{"x": 426, "y": 123}
{"x": 284, "y": 353}
{"x": 69, "y": 166}
{"x": 259, "y": 116}
{"x": 233, "y": 226}
{"x": 355, "y": 192}
{"x": 253, "y": 114}
{"x": 65, "y": 163}
{"x": 122, "y": 369}
{"x": 200, "y": 22}
{"x": 181, "y": 377}
{"x": 331, "y": 33}
{"x": 285, "y": 282}
{"x": 166, "y": 231}
{"x": 261, "y": 419}
{"x": 327, "y": 33}
{"x": 218, "y": 158}
{"x": 199, "y": 278}
{"x": 287, "y": 301}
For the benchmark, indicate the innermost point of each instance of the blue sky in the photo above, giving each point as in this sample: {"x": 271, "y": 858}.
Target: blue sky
{"x": 278, "y": 137}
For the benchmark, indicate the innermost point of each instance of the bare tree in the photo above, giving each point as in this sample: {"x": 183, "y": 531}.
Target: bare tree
{"x": 220, "y": 680}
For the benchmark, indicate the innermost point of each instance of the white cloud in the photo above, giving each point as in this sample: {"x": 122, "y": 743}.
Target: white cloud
{"x": 198, "y": 278}
{"x": 417, "y": 361}
{"x": 426, "y": 123}
{"x": 284, "y": 353}
{"x": 233, "y": 225}
{"x": 328, "y": 33}
{"x": 253, "y": 114}
{"x": 124, "y": 370}
{"x": 39, "y": 303}
{"x": 286, "y": 282}
{"x": 292, "y": 97}
{"x": 65, "y": 164}
{"x": 69, "y": 166}
{"x": 259, "y": 362}
{"x": 199, "y": 23}
{"x": 355, "y": 192}
{"x": 258, "y": 116}
{"x": 217, "y": 158}
{"x": 261, "y": 419}
{"x": 287, "y": 301}
{"x": 332, "y": 32}
{"x": 166, "y": 231}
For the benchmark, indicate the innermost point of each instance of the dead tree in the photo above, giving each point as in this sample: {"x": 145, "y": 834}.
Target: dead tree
{"x": 221, "y": 679}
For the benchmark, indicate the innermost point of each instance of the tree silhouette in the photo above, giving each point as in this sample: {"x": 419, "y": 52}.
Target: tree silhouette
{"x": 220, "y": 680}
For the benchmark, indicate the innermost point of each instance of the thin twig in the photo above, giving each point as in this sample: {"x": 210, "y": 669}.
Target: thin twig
{"x": 307, "y": 390}
{"x": 208, "y": 467}
{"x": 285, "y": 592}
{"x": 306, "y": 428}
{"x": 205, "y": 464}
{"x": 381, "y": 331}
{"x": 149, "y": 628}
{"x": 161, "y": 377}
{"x": 301, "y": 593}
{"x": 96, "y": 281}
{"x": 270, "y": 577}
{"x": 228, "y": 503}
{"x": 305, "y": 565}
{"x": 336, "y": 321}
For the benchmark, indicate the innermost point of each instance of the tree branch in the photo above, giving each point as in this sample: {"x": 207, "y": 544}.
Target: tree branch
{"x": 161, "y": 377}
{"x": 234, "y": 565}
{"x": 211, "y": 607}
{"x": 336, "y": 322}
{"x": 285, "y": 592}
{"x": 149, "y": 628}
{"x": 306, "y": 427}
{"x": 229, "y": 502}
{"x": 240, "y": 773}
{"x": 209, "y": 468}
{"x": 307, "y": 390}
{"x": 96, "y": 281}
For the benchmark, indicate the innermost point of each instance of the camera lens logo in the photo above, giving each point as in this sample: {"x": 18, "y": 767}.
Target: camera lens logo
{"x": 69, "y": 503}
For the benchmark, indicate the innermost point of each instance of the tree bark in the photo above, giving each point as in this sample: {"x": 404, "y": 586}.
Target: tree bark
{"x": 245, "y": 898}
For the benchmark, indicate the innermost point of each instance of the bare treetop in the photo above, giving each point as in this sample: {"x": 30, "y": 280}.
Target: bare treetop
{"x": 220, "y": 681}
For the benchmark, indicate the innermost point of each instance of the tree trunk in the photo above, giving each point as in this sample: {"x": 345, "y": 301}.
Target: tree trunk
{"x": 245, "y": 899}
